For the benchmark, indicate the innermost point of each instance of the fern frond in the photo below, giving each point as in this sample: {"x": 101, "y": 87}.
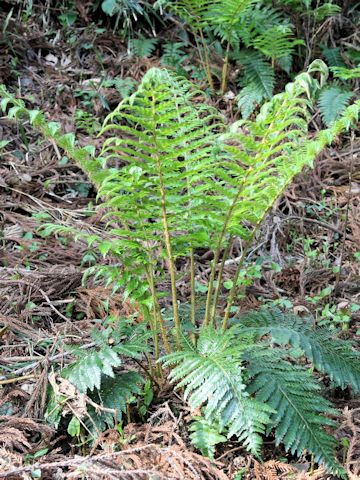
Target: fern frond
{"x": 166, "y": 145}
{"x": 333, "y": 56}
{"x": 259, "y": 19}
{"x": 173, "y": 54}
{"x": 293, "y": 393}
{"x": 143, "y": 47}
{"x": 193, "y": 12}
{"x": 328, "y": 9}
{"x": 248, "y": 99}
{"x": 257, "y": 72}
{"x": 264, "y": 169}
{"x": 212, "y": 378}
{"x": 205, "y": 435}
{"x": 219, "y": 15}
{"x": 115, "y": 393}
{"x": 346, "y": 73}
{"x": 224, "y": 17}
{"x": 333, "y": 356}
{"x": 84, "y": 156}
{"x": 276, "y": 42}
{"x": 332, "y": 103}
{"x": 86, "y": 372}
{"x": 258, "y": 80}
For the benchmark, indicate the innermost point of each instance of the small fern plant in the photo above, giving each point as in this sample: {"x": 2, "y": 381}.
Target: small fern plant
{"x": 186, "y": 181}
{"x": 104, "y": 388}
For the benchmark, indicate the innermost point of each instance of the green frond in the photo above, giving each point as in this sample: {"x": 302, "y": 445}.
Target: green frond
{"x": 257, "y": 72}
{"x": 220, "y": 16}
{"x": 212, "y": 378}
{"x": 333, "y": 56}
{"x": 173, "y": 54}
{"x": 276, "y": 42}
{"x": 193, "y": 12}
{"x": 330, "y": 355}
{"x": 328, "y": 9}
{"x": 248, "y": 99}
{"x": 258, "y": 80}
{"x": 300, "y": 420}
{"x": 115, "y": 393}
{"x": 84, "y": 156}
{"x": 143, "y": 47}
{"x": 346, "y": 73}
{"x": 224, "y": 17}
{"x": 165, "y": 143}
{"x": 94, "y": 365}
{"x": 205, "y": 435}
{"x": 332, "y": 103}
{"x": 86, "y": 372}
{"x": 267, "y": 167}
{"x": 259, "y": 19}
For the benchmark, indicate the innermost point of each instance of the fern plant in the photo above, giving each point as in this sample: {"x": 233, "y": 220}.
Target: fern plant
{"x": 186, "y": 181}
{"x": 96, "y": 374}
{"x": 258, "y": 27}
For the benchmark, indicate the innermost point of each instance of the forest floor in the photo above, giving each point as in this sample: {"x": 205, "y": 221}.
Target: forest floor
{"x": 313, "y": 233}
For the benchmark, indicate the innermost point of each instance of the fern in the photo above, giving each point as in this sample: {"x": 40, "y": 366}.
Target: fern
{"x": 193, "y": 12}
{"x": 259, "y": 19}
{"x": 335, "y": 357}
{"x": 173, "y": 55}
{"x": 276, "y": 42}
{"x": 175, "y": 157}
{"x": 205, "y": 436}
{"x": 258, "y": 73}
{"x": 125, "y": 86}
{"x": 86, "y": 372}
{"x": 332, "y": 103}
{"x": 333, "y": 56}
{"x": 291, "y": 391}
{"x": 212, "y": 378}
{"x": 224, "y": 17}
{"x": 187, "y": 181}
{"x": 115, "y": 394}
{"x": 235, "y": 369}
{"x": 95, "y": 364}
{"x": 328, "y": 9}
{"x": 346, "y": 73}
{"x": 258, "y": 81}
{"x": 143, "y": 47}
{"x": 248, "y": 99}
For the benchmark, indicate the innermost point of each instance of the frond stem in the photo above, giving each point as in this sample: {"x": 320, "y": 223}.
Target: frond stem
{"x": 159, "y": 320}
{"x": 207, "y": 62}
{"x": 225, "y": 68}
{"x": 219, "y": 278}
{"x": 167, "y": 237}
{"x": 207, "y": 317}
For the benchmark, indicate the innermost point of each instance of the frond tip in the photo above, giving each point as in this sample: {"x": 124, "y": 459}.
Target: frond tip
{"x": 294, "y": 394}
{"x": 330, "y": 355}
{"x": 332, "y": 103}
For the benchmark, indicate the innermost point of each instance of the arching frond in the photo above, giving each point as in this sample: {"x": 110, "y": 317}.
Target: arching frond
{"x": 336, "y": 357}
{"x": 294, "y": 394}
{"x": 332, "y": 103}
